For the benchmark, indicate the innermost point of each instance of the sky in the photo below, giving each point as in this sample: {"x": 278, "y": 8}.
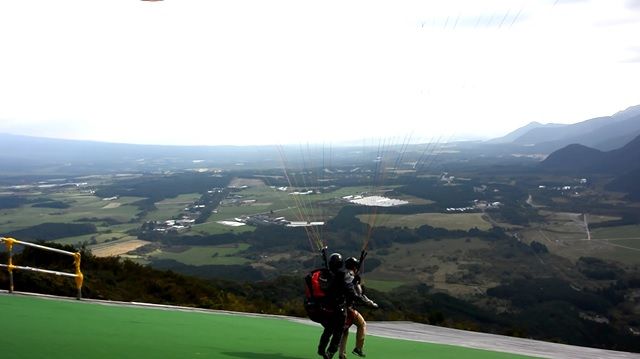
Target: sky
{"x": 255, "y": 72}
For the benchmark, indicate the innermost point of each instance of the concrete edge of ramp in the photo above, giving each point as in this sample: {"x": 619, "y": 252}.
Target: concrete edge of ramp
{"x": 406, "y": 331}
{"x": 493, "y": 342}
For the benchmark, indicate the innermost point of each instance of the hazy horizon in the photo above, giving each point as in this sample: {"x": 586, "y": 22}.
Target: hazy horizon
{"x": 285, "y": 72}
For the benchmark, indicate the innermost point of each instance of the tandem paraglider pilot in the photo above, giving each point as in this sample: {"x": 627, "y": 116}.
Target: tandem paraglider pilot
{"x": 352, "y": 265}
{"x": 327, "y": 294}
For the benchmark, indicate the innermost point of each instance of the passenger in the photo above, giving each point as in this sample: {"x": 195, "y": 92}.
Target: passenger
{"x": 340, "y": 292}
{"x": 352, "y": 265}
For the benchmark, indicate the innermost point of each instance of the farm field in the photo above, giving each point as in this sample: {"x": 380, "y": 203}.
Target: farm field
{"x": 431, "y": 262}
{"x": 283, "y": 204}
{"x": 105, "y": 233}
{"x": 383, "y": 285}
{"x": 313, "y": 207}
{"x": 64, "y": 328}
{"x": 610, "y": 243}
{"x": 453, "y": 221}
{"x": 116, "y": 248}
{"x": 83, "y": 205}
{"x": 171, "y": 207}
{"x": 211, "y": 228}
{"x": 620, "y": 232}
{"x": 203, "y": 255}
{"x": 631, "y": 242}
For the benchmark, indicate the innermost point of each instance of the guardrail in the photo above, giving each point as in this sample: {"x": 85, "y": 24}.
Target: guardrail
{"x": 78, "y": 276}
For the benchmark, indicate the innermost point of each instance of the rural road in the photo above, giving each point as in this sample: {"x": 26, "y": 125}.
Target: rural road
{"x": 417, "y": 332}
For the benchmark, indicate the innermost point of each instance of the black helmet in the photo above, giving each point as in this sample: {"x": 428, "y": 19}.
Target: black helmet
{"x": 335, "y": 261}
{"x": 352, "y": 263}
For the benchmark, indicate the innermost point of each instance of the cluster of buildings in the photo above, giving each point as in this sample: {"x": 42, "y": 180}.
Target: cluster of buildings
{"x": 172, "y": 225}
{"x": 186, "y": 220}
{"x": 265, "y": 220}
{"x": 568, "y": 189}
{"x": 444, "y": 177}
{"x": 477, "y": 206}
{"x": 237, "y": 200}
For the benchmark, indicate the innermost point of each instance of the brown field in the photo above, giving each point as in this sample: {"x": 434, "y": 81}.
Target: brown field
{"x": 117, "y": 248}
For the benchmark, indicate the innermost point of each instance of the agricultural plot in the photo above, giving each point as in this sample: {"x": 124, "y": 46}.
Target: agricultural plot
{"x": 211, "y": 228}
{"x": 250, "y": 182}
{"x": 611, "y": 243}
{"x": 383, "y": 285}
{"x": 171, "y": 207}
{"x": 431, "y": 262}
{"x": 83, "y": 205}
{"x": 453, "y": 221}
{"x": 203, "y": 255}
{"x": 565, "y": 234}
{"x": 617, "y": 233}
{"x": 631, "y": 243}
{"x": 117, "y": 248}
{"x": 282, "y": 203}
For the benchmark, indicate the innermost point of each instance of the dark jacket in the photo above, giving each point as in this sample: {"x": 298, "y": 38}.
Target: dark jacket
{"x": 342, "y": 290}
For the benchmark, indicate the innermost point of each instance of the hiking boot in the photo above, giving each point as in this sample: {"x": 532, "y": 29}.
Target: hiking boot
{"x": 322, "y": 353}
{"x": 359, "y": 352}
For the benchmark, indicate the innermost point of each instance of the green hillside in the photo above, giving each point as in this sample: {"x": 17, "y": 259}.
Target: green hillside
{"x": 49, "y": 328}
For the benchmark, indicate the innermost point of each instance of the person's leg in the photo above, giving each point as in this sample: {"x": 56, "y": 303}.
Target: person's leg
{"x": 345, "y": 334}
{"x": 343, "y": 343}
{"x": 324, "y": 338}
{"x": 338, "y": 321}
{"x": 358, "y": 320}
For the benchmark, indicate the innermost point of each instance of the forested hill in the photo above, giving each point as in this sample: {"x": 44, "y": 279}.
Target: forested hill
{"x": 538, "y": 301}
{"x": 621, "y": 164}
{"x": 576, "y": 157}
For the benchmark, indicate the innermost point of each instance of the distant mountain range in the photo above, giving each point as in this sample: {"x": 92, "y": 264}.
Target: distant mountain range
{"x": 602, "y": 133}
{"x": 27, "y": 155}
{"x": 31, "y": 155}
{"x": 522, "y": 131}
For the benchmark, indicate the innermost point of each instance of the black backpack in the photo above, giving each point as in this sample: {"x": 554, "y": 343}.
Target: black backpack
{"x": 316, "y": 293}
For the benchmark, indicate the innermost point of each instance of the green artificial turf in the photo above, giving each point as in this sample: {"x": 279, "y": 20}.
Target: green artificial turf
{"x": 49, "y": 328}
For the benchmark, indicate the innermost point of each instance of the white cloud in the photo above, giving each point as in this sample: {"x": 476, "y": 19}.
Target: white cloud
{"x": 203, "y": 72}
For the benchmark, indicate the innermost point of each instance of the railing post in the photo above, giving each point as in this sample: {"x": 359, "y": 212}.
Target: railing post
{"x": 79, "y": 276}
{"x": 10, "y": 245}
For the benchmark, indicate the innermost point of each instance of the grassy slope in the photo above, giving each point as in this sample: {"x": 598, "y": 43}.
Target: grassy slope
{"x": 44, "y": 328}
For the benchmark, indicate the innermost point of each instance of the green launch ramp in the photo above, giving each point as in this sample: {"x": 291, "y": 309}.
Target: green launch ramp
{"x": 57, "y": 328}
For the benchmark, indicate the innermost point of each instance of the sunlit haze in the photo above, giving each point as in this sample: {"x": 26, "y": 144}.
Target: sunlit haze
{"x": 264, "y": 72}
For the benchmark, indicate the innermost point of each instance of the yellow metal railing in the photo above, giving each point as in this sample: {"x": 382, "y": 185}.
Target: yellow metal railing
{"x": 9, "y": 242}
